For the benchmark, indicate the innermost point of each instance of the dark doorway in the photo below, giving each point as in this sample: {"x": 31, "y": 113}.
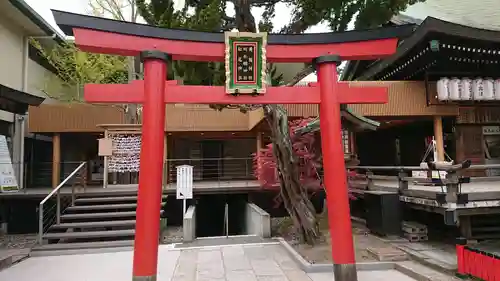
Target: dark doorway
{"x": 212, "y": 159}
{"x": 211, "y": 211}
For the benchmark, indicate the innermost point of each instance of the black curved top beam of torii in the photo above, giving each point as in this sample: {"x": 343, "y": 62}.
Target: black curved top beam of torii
{"x": 202, "y": 46}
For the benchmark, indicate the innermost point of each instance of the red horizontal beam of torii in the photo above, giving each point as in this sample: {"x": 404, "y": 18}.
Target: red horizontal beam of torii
{"x": 95, "y": 41}
{"x": 134, "y": 93}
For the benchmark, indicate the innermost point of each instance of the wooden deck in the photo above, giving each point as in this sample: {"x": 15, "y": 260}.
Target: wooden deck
{"x": 204, "y": 187}
{"x": 481, "y": 193}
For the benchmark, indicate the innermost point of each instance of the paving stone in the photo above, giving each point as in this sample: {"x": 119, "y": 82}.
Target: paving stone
{"x": 266, "y": 268}
{"x": 272, "y": 278}
{"x": 387, "y": 253}
{"x": 416, "y": 246}
{"x": 241, "y": 275}
{"x": 257, "y": 253}
{"x": 415, "y": 270}
{"x": 296, "y": 275}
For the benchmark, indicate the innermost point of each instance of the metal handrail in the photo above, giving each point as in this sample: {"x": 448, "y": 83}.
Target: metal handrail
{"x": 418, "y": 168}
{"x": 58, "y": 196}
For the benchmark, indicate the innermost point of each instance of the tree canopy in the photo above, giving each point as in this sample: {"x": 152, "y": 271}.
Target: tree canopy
{"x": 75, "y": 69}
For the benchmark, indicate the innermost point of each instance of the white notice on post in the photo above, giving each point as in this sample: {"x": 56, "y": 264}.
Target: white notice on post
{"x": 8, "y": 182}
{"x": 185, "y": 182}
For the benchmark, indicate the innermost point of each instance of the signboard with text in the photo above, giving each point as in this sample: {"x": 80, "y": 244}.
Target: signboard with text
{"x": 8, "y": 181}
{"x": 245, "y": 62}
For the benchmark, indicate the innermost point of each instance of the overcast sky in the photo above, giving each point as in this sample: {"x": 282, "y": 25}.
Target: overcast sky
{"x": 81, "y": 6}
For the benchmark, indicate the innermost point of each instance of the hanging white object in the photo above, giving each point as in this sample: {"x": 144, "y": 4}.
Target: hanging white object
{"x": 496, "y": 87}
{"x": 489, "y": 91}
{"x": 179, "y": 5}
{"x": 443, "y": 89}
{"x": 478, "y": 89}
{"x": 125, "y": 157}
{"x": 454, "y": 87}
{"x": 466, "y": 93}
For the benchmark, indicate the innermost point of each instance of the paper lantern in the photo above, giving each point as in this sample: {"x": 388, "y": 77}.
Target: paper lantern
{"x": 443, "y": 89}
{"x": 478, "y": 89}
{"x": 466, "y": 93}
{"x": 489, "y": 91}
{"x": 496, "y": 86}
{"x": 454, "y": 87}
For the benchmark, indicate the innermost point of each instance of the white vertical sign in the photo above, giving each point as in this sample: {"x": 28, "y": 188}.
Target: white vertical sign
{"x": 184, "y": 184}
{"x": 8, "y": 180}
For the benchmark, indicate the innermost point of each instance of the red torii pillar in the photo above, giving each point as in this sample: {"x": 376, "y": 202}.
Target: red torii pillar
{"x": 154, "y": 92}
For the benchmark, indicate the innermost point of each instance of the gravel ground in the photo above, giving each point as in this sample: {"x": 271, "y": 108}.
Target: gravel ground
{"x": 21, "y": 241}
{"x": 321, "y": 251}
{"x": 173, "y": 234}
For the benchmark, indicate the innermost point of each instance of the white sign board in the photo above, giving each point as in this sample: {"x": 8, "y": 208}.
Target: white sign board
{"x": 185, "y": 182}
{"x": 8, "y": 182}
{"x": 491, "y": 130}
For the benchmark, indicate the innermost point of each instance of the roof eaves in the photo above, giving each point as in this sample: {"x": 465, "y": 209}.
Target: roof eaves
{"x": 31, "y": 14}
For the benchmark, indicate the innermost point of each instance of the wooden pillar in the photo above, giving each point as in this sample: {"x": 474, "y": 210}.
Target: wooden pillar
{"x": 438, "y": 136}
{"x": 56, "y": 160}
{"x": 259, "y": 141}
{"x": 165, "y": 161}
{"x": 105, "y": 166}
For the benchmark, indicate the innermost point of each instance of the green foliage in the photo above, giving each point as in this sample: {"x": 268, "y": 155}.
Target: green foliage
{"x": 208, "y": 16}
{"x": 76, "y": 68}
{"x": 339, "y": 13}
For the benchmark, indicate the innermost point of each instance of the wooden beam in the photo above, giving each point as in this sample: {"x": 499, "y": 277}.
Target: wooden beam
{"x": 134, "y": 93}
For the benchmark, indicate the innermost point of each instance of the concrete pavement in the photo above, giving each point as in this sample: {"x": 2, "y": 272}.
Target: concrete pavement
{"x": 257, "y": 262}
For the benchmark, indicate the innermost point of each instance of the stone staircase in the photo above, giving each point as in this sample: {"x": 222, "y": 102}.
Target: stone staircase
{"x": 94, "y": 222}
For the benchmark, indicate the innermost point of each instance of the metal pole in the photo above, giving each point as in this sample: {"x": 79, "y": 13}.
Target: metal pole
{"x": 147, "y": 228}
{"x": 226, "y": 219}
{"x": 335, "y": 177}
{"x": 40, "y": 224}
{"x": 73, "y": 195}
{"x": 183, "y": 207}
{"x": 58, "y": 207}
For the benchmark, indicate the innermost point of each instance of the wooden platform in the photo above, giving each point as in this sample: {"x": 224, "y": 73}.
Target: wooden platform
{"x": 481, "y": 193}
{"x": 203, "y": 187}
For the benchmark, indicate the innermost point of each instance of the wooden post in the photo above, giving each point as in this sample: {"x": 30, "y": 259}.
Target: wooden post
{"x": 165, "y": 162}
{"x": 438, "y": 136}
{"x": 56, "y": 160}
{"x": 259, "y": 141}
{"x": 105, "y": 166}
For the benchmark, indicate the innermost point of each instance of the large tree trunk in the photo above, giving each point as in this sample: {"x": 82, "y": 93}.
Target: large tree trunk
{"x": 295, "y": 197}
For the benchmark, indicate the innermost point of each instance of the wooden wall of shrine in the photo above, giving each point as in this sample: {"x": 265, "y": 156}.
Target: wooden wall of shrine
{"x": 470, "y": 136}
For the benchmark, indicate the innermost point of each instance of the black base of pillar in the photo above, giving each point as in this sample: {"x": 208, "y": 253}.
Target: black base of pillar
{"x": 144, "y": 278}
{"x": 345, "y": 272}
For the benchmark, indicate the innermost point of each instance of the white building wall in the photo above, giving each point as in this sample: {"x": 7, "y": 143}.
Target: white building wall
{"x": 38, "y": 79}
{"x": 11, "y": 54}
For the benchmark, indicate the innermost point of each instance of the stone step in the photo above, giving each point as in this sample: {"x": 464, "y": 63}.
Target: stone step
{"x": 102, "y": 207}
{"x": 422, "y": 273}
{"x": 102, "y": 199}
{"x": 95, "y": 224}
{"x": 106, "y": 199}
{"x": 90, "y": 234}
{"x": 99, "y": 215}
{"x": 84, "y": 245}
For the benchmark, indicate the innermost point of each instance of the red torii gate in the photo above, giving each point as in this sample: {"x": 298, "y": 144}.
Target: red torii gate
{"x": 153, "y": 44}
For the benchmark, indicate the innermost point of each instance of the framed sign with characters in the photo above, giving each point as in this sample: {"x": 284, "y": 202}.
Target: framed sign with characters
{"x": 245, "y": 59}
